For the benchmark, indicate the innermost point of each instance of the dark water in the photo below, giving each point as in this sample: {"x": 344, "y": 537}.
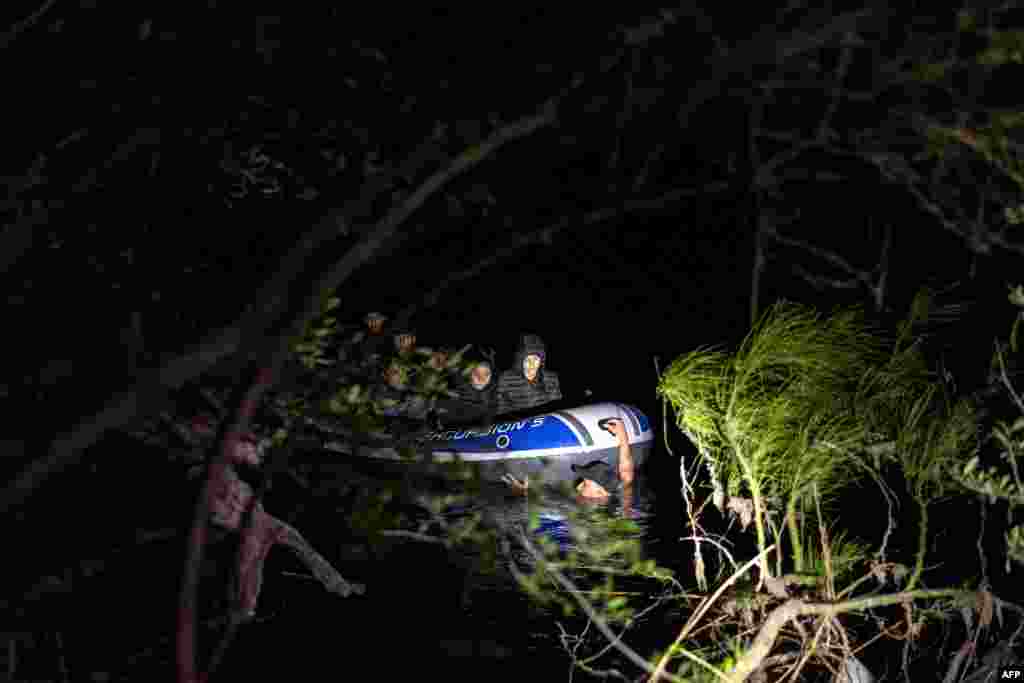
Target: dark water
{"x": 427, "y": 610}
{"x": 433, "y": 610}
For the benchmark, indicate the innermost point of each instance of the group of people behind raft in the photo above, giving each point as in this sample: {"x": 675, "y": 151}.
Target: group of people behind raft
{"x": 480, "y": 396}
{"x": 527, "y": 384}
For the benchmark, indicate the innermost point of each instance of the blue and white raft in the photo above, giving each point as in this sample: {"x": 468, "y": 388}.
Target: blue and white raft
{"x": 546, "y": 446}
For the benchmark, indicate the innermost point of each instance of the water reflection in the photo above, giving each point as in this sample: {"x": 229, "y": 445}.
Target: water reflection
{"x": 478, "y": 583}
{"x": 557, "y": 513}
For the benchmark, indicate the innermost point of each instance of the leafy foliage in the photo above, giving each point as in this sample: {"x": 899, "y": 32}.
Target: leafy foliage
{"x": 311, "y": 348}
{"x": 796, "y": 407}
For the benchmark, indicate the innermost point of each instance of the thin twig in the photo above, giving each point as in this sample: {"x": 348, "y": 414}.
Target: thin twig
{"x": 845, "y": 58}
{"x": 588, "y": 609}
{"x": 704, "y": 606}
{"x": 1006, "y": 381}
{"x": 28, "y": 22}
{"x": 982, "y": 555}
{"x": 62, "y": 664}
{"x": 416, "y": 536}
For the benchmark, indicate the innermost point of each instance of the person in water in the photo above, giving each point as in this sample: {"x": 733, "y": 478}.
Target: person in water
{"x": 599, "y": 477}
{"x": 528, "y": 383}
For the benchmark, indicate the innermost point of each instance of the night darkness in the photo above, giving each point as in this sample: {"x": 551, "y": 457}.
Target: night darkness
{"x": 621, "y": 182}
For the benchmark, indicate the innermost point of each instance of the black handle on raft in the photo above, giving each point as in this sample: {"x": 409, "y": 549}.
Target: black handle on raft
{"x": 603, "y": 424}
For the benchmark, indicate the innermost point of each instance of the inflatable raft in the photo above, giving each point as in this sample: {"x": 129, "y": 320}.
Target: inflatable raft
{"x": 548, "y": 446}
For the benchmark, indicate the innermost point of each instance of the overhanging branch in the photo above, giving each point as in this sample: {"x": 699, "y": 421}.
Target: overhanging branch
{"x": 544, "y": 236}
{"x": 276, "y": 313}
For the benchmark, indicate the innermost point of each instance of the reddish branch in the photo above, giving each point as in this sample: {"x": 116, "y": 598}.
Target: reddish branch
{"x": 224, "y": 497}
{"x": 216, "y": 500}
{"x": 232, "y": 504}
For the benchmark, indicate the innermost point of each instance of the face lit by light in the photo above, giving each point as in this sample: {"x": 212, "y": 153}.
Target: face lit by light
{"x": 481, "y": 376}
{"x": 531, "y": 366}
{"x": 405, "y": 342}
{"x": 588, "y": 488}
{"x": 393, "y": 376}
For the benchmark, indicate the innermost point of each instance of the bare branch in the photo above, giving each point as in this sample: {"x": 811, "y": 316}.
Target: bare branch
{"x": 844, "y": 65}
{"x": 641, "y": 34}
{"x": 821, "y": 282}
{"x": 754, "y": 657}
{"x": 896, "y": 171}
{"x": 882, "y": 269}
{"x": 322, "y": 570}
{"x": 210, "y": 497}
{"x": 276, "y": 313}
{"x": 544, "y": 236}
{"x": 873, "y": 280}
{"x": 829, "y": 257}
{"x": 768, "y": 48}
{"x": 599, "y": 622}
{"x": 979, "y": 244}
{"x": 752, "y": 173}
{"x": 757, "y": 270}
{"x": 26, "y": 23}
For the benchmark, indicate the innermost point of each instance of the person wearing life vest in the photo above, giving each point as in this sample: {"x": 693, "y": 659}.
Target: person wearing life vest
{"x": 528, "y": 383}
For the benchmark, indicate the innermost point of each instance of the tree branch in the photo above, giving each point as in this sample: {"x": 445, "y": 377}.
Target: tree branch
{"x": 768, "y": 48}
{"x": 790, "y": 609}
{"x": 874, "y": 281}
{"x": 599, "y": 622}
{"x": 896, "y": 171}
{"x": 844, "y": 66}
{"x": 275, "y": 313}
{"x": 244, "y": 410}
{"x": 544, "y": 236}
{"x": 26, "y": 23}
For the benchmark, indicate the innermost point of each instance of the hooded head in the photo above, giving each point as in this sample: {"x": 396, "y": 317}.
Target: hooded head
{"x": 375, "y": 322}
{"x": 531, "y": 357}
{"x": 477, "y": 371}
{"x": 405, "y": 341}
{"x": 594, "y": 480}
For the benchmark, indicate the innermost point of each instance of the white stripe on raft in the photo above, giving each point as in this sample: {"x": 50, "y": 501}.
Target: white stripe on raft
{"x": 449, "y": 456}
{"x": 586, "y": 415}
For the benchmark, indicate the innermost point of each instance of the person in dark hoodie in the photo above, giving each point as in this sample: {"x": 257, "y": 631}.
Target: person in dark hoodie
{"x": 476, "y": 399}
{"x": 367, "y": 350}
{"x": 479, "y": 389}
{"x": 527, "y": 384}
